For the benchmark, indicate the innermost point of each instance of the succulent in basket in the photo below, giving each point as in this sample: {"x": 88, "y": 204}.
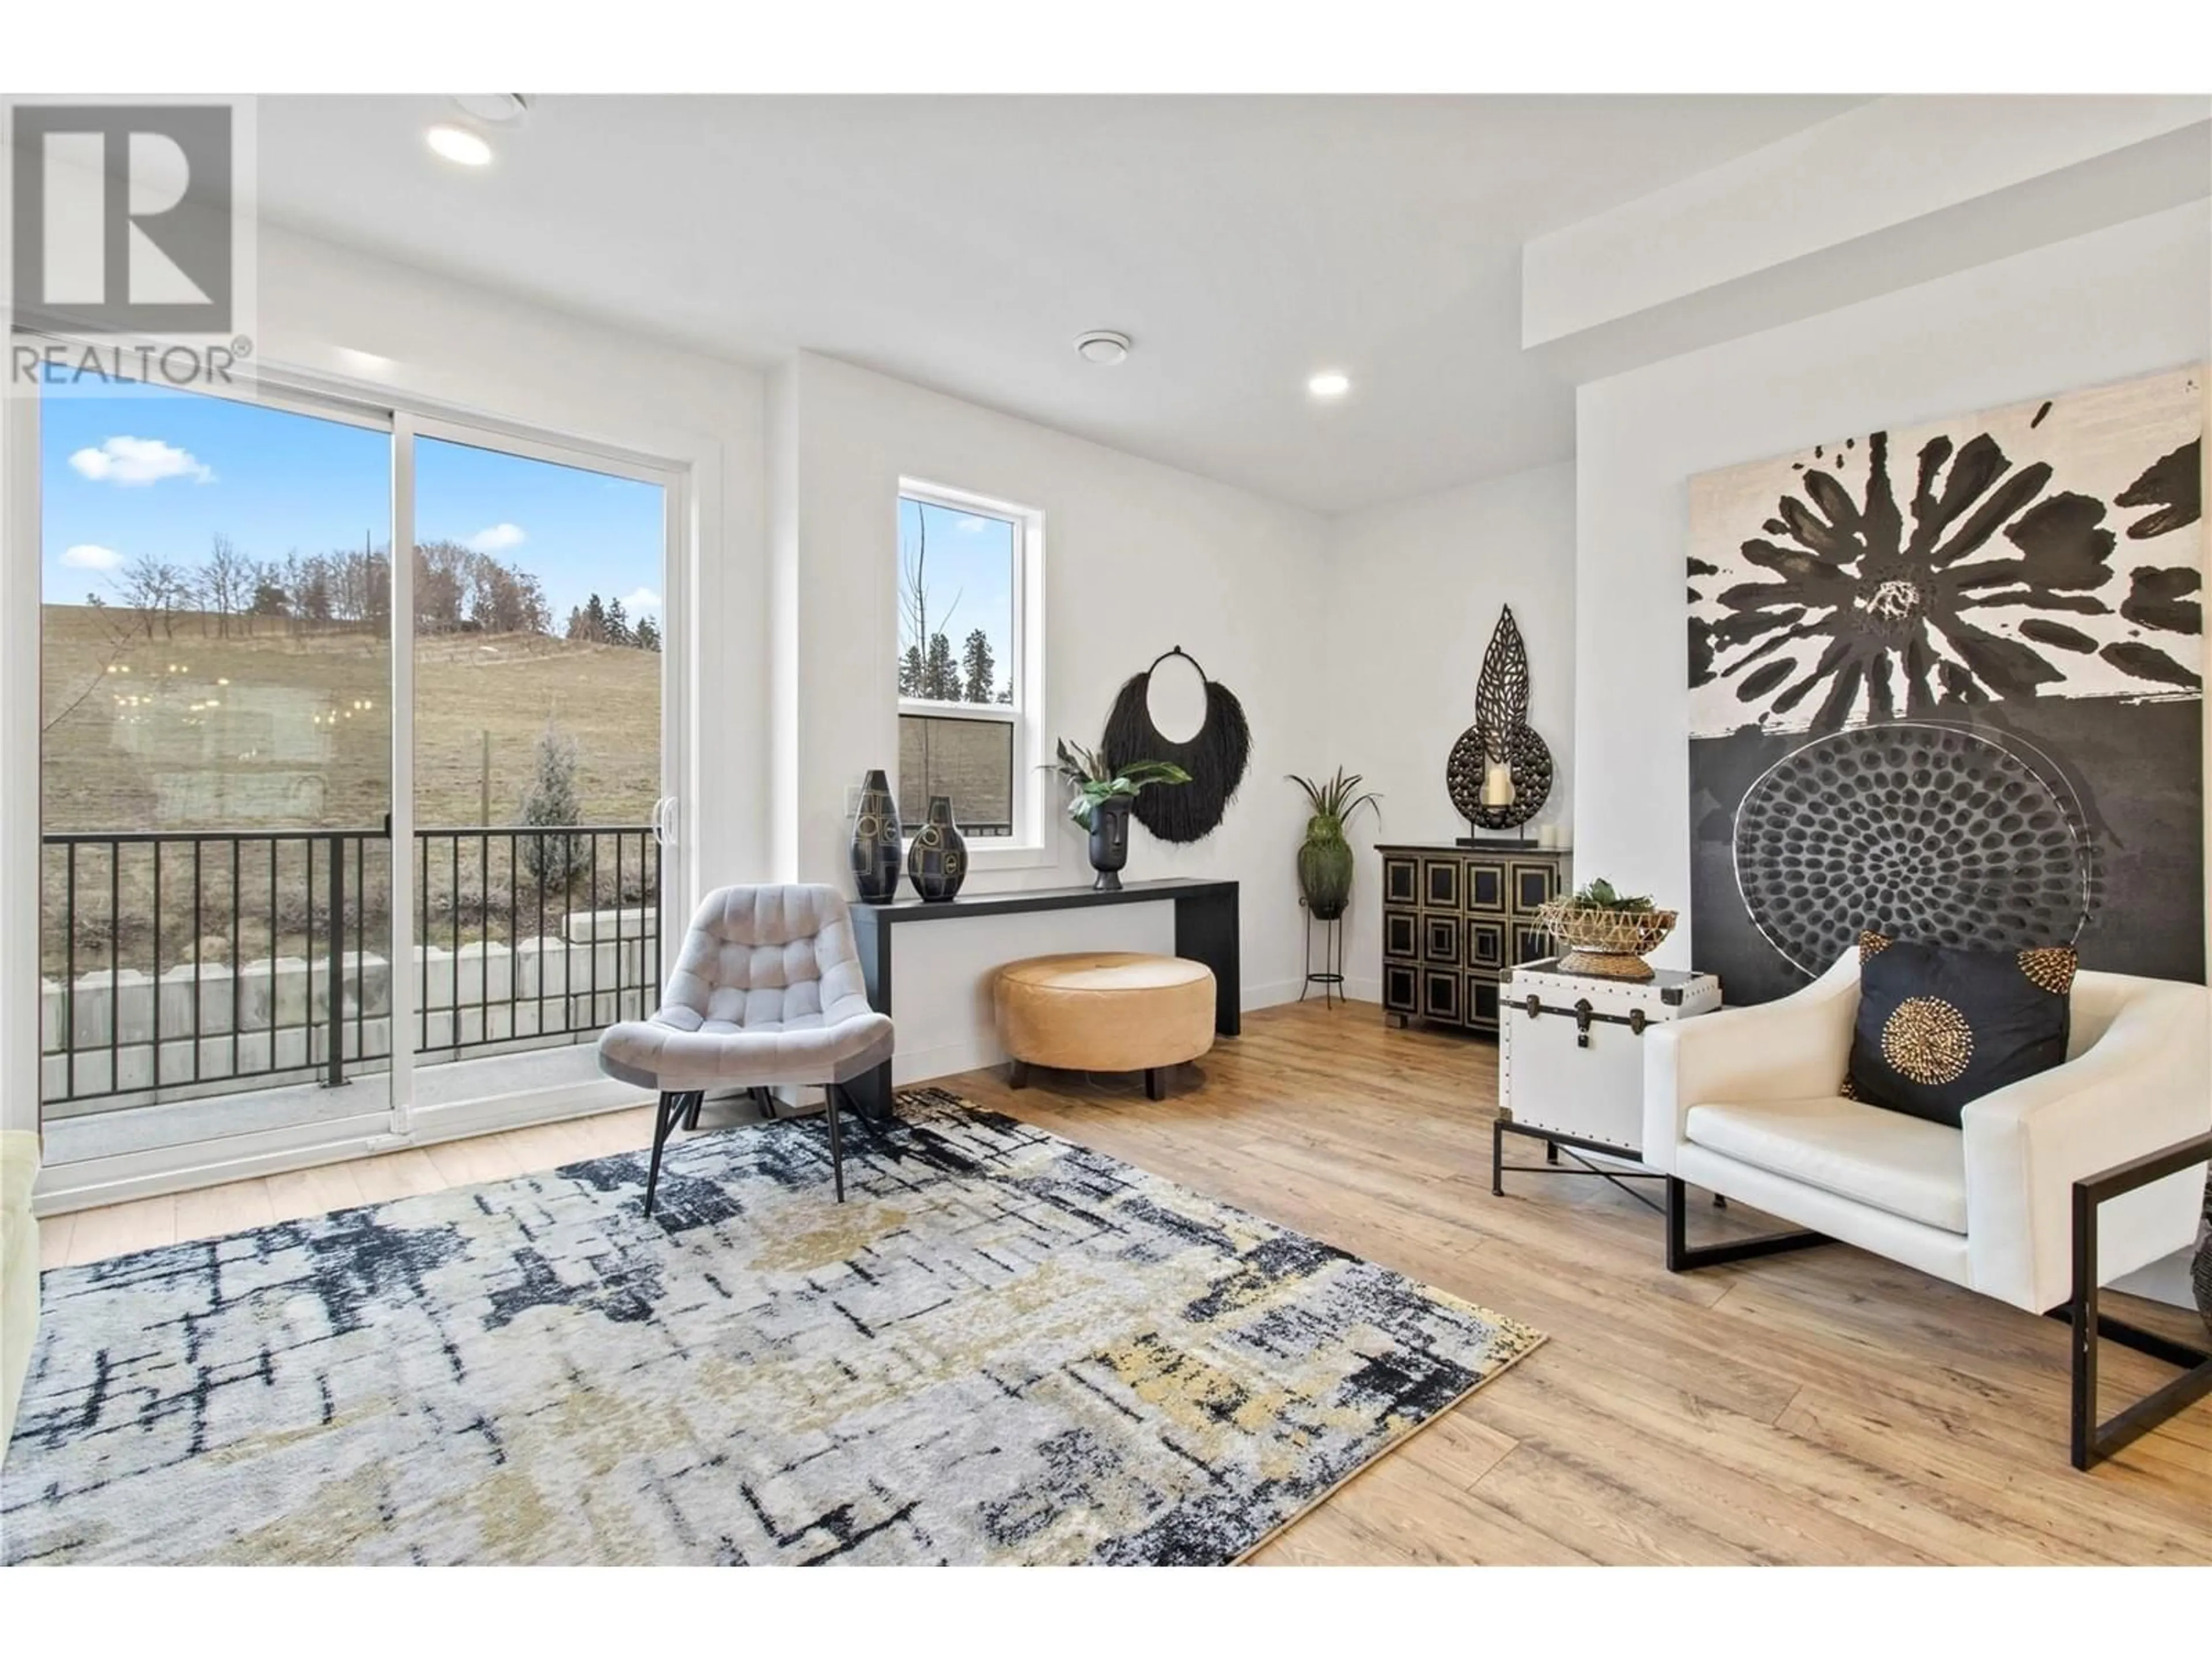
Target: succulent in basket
{"x": 1325, "y": 861}
{"x": 1605, "y": 932}
{"x": 1600, "y": 895}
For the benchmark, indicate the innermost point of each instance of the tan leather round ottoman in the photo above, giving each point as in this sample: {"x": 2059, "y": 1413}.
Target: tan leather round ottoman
{"x": 1104, "y": 1010}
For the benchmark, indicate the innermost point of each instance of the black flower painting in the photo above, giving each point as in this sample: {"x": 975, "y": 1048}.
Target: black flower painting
{"x": 1948, "y": 577}
{"x": 1945, "y": 678}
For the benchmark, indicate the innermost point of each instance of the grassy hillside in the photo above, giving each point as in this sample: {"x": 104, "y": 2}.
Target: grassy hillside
{"x": 117, "y": 765}
{"x": 281, "y": 731}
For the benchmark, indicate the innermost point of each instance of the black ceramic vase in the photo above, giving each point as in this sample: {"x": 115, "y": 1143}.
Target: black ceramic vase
{"x": 1109, "y": 843}
{"x": 876, "y": 837}
{"x": 937, "y": 860}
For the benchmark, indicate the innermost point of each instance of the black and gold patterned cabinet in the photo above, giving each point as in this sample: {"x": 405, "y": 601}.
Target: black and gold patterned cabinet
{"x": 1453, "y": 920}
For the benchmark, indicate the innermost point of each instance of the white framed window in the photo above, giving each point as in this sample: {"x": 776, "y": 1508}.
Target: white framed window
{"x": 970, "y": 674}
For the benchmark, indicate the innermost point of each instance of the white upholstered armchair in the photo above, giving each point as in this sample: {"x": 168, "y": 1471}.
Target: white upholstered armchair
{"x": 767, "y": 990}
{"x": 1745, "y": 1103}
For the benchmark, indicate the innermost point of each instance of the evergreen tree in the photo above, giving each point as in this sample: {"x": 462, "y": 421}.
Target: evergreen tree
{"x": 976, "y": 662}
{"x": 617, "y": 624}
{"x": 910, "y": 672}
{"x": 551, "y": 800}
{"x": 646, "y": 634}
{"x": 595, "y": 619}
{"x": 940, "y": 676}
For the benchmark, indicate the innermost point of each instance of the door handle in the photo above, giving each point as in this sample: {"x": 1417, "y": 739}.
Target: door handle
{"x": 663, "y": 820}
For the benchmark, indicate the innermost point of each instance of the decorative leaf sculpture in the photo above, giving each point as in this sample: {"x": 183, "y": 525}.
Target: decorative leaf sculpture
{"x": 1501, "y": 696}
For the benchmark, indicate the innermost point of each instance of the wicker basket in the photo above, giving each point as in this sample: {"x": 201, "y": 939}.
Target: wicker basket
{"x": 1610, "y": 944}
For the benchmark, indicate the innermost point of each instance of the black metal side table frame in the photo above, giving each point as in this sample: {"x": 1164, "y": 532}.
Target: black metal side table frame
{"x": 2092, "y": 1440}
{"x": 1574, "y": 1146}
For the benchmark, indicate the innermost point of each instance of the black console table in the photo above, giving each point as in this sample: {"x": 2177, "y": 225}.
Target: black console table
{"x": 1205, "y": 931}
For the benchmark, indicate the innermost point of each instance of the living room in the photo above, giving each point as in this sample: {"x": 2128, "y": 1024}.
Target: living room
{"x": 1147, "y": 826}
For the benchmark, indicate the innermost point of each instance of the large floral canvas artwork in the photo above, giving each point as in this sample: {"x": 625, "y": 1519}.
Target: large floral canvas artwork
{"x": 1944, "y": 685}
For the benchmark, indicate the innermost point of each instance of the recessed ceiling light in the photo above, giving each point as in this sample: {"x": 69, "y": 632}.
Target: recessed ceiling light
{"x": 1101, "y": 345}
{"x": 1329, "y": 384}
{"x": 458, "y": 144}
{"x": 498, "y": 109}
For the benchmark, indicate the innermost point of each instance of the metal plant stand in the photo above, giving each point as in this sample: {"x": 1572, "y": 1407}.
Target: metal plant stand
{"x": 1330, "y": 978}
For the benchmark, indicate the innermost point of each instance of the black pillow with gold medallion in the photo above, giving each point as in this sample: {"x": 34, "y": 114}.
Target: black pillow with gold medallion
{"x": 1938, "y": 1028}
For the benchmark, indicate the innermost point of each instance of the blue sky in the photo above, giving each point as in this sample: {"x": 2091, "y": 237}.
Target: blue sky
{"x": 969, "y": 576}
{"x": 150, "y": 471}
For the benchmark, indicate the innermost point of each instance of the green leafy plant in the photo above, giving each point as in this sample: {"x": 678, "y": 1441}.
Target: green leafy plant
{"x": 1334, "y": 801}
{"x": 1600, "y": 895}
{"x": 1091, "y": 782}
{"x": 1325, "y": 857}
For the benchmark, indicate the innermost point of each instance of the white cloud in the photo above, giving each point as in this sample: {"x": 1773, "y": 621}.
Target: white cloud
{"x": 140, "y": 461}
{"x": 90, "y": 555}
{"x": 643, "y": 599}
{"x": 498, "y": 538}
{"x": 973, "y": 525}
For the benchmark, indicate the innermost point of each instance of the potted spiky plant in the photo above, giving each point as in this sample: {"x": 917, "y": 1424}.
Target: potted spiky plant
{"x": 1099, "y": 797}
{"x": 1325, "y": 861}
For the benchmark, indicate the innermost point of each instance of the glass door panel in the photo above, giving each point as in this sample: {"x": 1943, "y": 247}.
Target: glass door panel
{"x": 215, "y": 769}
{"x": 539, "y": 618}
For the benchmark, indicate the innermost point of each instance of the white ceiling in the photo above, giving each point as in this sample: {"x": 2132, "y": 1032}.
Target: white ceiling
{"x": 963, "y": 243}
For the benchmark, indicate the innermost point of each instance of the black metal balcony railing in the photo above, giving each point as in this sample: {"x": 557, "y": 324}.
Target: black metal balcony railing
{"x": 202, "y": 962}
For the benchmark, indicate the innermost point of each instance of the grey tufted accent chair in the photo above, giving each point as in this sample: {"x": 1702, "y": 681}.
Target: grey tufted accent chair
{"x": 767, "y": 990}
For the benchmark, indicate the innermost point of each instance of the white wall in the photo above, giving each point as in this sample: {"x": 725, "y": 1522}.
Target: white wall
{"x": 1414, "y": 590}
{"x": 2101, "y": 307}
{"x": 1139, "y": 558}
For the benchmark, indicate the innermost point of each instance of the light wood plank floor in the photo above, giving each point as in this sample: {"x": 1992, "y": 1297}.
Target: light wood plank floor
{"x": 1822, "y": 1407}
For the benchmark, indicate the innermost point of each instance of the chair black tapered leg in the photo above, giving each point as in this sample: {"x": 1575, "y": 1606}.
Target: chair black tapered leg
{"x": 691, "y": 1115}
{"x": 674, "y": 1104}
{"x": 830, "y": 1105}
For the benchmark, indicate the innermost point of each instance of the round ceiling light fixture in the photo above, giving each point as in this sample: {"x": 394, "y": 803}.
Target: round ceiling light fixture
{"x": 1330, "y": 383}
{"x": 1101, "y": 345}
{"x": 459, "y": 145}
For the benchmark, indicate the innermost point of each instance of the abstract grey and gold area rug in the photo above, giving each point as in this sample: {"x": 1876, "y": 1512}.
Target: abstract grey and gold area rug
{"x": 1004, "y": 1347}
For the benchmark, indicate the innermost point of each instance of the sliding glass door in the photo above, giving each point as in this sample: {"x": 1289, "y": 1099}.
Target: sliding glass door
{"x": 539, "y": 769}
{"x": 216, "y": 739}
{"x": 327, "y": 838}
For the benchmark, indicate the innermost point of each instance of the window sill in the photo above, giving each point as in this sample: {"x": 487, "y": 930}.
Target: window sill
{"x": 1013, "y": 855}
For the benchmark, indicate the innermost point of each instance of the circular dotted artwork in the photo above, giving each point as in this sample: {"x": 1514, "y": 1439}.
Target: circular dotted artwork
{"x": 1927, "y": 1041}
{"x": 1925, "y": 832}
{"x": 1528, "y": 762}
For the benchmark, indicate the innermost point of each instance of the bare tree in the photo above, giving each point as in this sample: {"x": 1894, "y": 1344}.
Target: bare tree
{"x": 914, "y": 678}
{"x": 225, "y": 585}
{"x": 154, "y": 589}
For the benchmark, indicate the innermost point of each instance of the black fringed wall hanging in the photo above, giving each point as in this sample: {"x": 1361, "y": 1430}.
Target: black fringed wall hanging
{"x": 1215, "y": 757}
